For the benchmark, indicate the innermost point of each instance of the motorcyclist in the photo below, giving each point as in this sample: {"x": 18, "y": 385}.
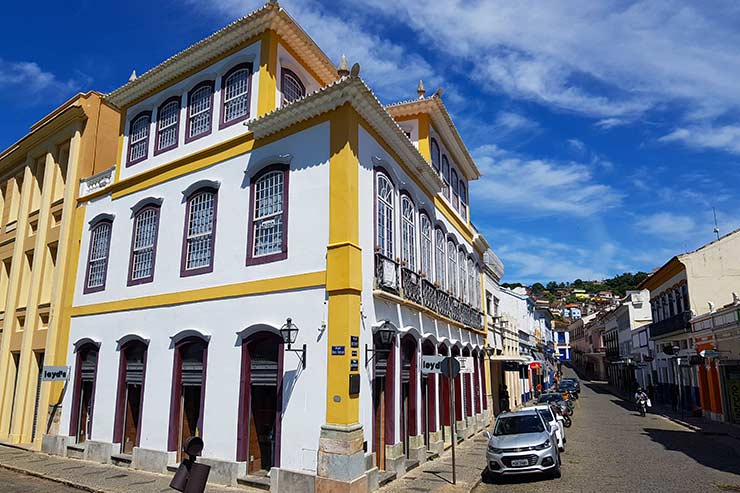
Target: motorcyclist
{"x": 641, "y": 399}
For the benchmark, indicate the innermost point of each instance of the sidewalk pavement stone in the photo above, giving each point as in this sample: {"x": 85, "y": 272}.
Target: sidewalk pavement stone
{"x": 91, "y": 476}
{"x": 436, "y": 475}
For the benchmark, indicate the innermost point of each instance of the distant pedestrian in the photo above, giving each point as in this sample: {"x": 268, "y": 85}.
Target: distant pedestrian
{"x": 503, "y": 395}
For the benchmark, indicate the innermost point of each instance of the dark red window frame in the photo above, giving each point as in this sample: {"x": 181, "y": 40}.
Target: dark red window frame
{"x": 148, "y": 115}
{"x": 89, "y": 346}
{"x": 446, "y": 176}
{"x": 121, "y": 394}
{"x": 283, "y": 73}
{"x": 243, "y": 431}
{"x": 183, "y": 260}
{"x": 188, "y": 137}
{"x": 223, "y": 124}
{"x": 176, "y": 394}
{"x": 157, "y": 150}
{"x": 435, "y": 154}
{"x": 455, "y": 188}
{"x": 283, "y": 253}
{"x": 97, "y": 223}
{"x": 131, "y": 281}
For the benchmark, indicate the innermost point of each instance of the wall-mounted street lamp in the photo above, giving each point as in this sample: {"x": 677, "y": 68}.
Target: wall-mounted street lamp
{"x": 385, "y": 334}
{"x": 289, "y": 333}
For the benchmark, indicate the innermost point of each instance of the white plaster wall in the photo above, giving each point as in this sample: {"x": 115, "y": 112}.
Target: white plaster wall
{"x": 214, "y": 71}
{"x": 713, "y": 272}
{"x": 308, "y": 222}
{"x": 304, "y": 403}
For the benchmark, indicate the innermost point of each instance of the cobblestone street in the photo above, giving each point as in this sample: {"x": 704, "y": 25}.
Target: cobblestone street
{"x": 13, "y": 482}
{"x": 611, "y": 448}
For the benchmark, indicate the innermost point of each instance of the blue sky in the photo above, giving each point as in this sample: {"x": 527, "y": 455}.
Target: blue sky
{"x": 606, "y": 130}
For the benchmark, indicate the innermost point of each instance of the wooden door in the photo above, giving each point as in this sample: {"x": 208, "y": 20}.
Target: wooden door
{"x": 379, "y": 422}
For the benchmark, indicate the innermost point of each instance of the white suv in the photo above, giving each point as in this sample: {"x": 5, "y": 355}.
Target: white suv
{"x": 556, "y": 422}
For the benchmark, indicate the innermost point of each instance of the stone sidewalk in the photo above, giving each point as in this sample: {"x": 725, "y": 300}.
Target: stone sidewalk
{"x": 91, "y": 476}
{"x": 436, "y": 475}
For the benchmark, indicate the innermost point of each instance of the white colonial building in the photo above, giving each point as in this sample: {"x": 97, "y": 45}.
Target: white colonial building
{"x": 262, "y": 194}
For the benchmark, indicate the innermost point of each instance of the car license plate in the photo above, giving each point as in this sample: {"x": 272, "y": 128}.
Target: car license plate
{"x": 519, "y": 463}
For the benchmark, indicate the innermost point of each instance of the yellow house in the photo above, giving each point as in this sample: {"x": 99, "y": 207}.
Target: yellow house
{"x": 39, "y": 184}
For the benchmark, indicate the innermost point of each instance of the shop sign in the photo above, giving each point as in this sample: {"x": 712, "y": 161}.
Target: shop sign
{"x": 510, "y": 366}
{"x": 55, "y": 374}
{"x": 466, "y": 364}
{"x": 431, "y": 364}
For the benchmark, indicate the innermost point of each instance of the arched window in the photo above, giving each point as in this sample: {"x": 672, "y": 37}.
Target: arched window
{"x": 446, "y": 176}
{"x": 235, "y": 86}
{"x": 408, "y": 232}
{"x": 426, "y": 245}
{"x": 144, "y": 245}
{"x": 455, "y": 188}
{"x": 200, "y": 111}
{"x": 435, "y": 155}
{"x": 97, "y": 260}
{"x": 168, "y": 123}
{"x": 440, "y": 258}
{"x": 462, "y": 271}
{"x": 293, "y": 88}
{"x": 200, "y": 232}
{"x": 452, "y": 267}
{"x": 384, "y": 210}
{"x": 268, "y": 230}
{"x": 685, "y": 296}
{"x": 463, "y": 199}
{"x": 138, "y": 138}
{"x": 472, "y": 298}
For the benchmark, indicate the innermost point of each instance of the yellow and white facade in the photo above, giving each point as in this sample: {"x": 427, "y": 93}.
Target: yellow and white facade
{"x": 259, "y": 190}
{"x": 39, "y": 183}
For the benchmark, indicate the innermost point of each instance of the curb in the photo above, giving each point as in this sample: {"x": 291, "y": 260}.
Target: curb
{"x": 65, "y": 482}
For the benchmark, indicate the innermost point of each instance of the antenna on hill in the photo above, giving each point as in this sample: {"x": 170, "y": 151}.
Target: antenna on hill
{"x": 716, "y": 228}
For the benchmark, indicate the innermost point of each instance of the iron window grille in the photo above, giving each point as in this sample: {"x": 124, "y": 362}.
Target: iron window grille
{"x": 293, "y": 88}
{"x": 200, "y": 111}
{"x": 97, "y": 265}
{"x": 138, "y": 138}
{"x": 235, "y": 92}
{"x": 200, "y": 233}
{"x": 168, "y": 123}
{"x": 144, "y": 245}
{"x": 268, "y": 223}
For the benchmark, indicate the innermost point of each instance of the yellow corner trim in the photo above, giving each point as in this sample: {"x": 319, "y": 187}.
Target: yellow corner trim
{"x": 424, "y": 141}
{"x": 262, "y": 286}
{"x": 266, "y": 99}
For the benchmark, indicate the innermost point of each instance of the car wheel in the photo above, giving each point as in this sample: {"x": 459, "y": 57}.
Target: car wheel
{"x": 488, "y": 476}
{"x": 556, "y": 474}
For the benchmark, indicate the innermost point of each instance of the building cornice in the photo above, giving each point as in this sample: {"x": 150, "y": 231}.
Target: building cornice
{"x": 663, "y": 274}
{"x": 443, "y": 124}
{"x": 268, "y": 17}
{"x": 353, "y": 91}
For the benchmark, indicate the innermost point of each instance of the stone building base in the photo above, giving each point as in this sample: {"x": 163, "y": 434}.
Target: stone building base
{"x": 152, "y": 460}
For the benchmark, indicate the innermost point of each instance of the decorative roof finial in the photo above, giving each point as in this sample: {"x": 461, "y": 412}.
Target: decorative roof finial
{"x": 273, "y": 2}
{"x": 132, "y": 77}
{"x": 343, "y": 68}
{"x": 420, "y": 89}
{"x": 355, "y": 70}
{"x": 438, "y": 92}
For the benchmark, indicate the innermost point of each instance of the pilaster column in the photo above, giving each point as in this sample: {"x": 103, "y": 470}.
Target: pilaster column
{"x": 341, "y": 459}
{"x": 268, "y": 76}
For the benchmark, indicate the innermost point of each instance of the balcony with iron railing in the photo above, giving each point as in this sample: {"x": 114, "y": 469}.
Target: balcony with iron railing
{"x": 676, "y": 323}
{"x": 401, "y": 281}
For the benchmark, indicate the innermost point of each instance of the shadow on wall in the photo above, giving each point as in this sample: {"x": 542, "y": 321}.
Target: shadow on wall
{"x": 706, "y": 451}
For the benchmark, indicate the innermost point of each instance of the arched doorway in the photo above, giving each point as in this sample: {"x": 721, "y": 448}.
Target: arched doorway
{"x": 409, "y": 376}
{"x": 428, "y": 397}
{"x": 260, "y": 402}
{"x": 83, "y": 398}
{"x": 444, "y": 399}
{"x": 457, "y": 382}
{"x": 383, "y": 403}
{"x": 188, "y": 392}
{"x": 130, "y": 397}
{"x": 476, "y": 383}
{"x": 468, "y": 390}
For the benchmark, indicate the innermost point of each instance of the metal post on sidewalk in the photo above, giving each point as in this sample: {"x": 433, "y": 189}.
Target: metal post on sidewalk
{"x": 453, "y": 426}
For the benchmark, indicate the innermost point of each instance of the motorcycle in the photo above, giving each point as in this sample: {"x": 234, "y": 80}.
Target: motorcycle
{"x": 567, "y": 421}
{"x": 642, "y": 404}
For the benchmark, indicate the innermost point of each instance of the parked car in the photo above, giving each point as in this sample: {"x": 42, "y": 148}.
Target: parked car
{"x": 556, "y": 421}
{"x": 568, "y": 386}
{"x": 575, "y": 382}
{"x": 522, "y": 443}
{"x": 556, "y": 398}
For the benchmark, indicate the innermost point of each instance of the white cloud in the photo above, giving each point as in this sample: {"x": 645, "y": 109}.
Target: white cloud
{"x": 608, "y": 123}
{"x": 667, "y": 224}
{"x": 29, "y": 79}
{"x": 576, "y": 145}
{"x": 723, "y": 138}
{"x": 538, "y": 186}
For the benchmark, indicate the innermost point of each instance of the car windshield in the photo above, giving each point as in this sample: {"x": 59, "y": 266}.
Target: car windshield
{"x": 567, "y": 385}
{"x": 515, "y": 425}
{"x": 550, "y": 398}
{"x": 546, "y": 414}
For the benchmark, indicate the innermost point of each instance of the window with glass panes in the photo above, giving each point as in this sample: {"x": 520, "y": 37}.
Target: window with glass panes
{"x": 144, "y": 244}
{"x": 425, "y": 226}
{"x": 471, "y": 283}
{"x": 462, "y": 271}
{"x": 455, "y": 188}
{"x": 452, "y": 267}
{"x": 98, "y": 257}
{"x": 236, "y": 95}
{"x": 267, "y": 221}
{"x": 440, "y": 258}
{"x": 199, "y": 237}
{"x": 446, "y": 176}
{"x": 408, "y": 232}
{"x": 435, "y": 155}
{"x": 385, "y": 213}
{"x": 200, "y": 110}
{"x": 138, "y": 142}
{"x": 167, "y": 124}
{"x": 293, "y": 88}
{"x": 463, "y": 200}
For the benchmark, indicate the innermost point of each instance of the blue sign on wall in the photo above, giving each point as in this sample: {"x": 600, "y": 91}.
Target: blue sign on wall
{"x": 337, "y": 350}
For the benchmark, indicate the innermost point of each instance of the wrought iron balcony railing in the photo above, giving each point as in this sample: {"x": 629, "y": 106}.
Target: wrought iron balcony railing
{"x": 396, "y": 279}
{"x": 675, "y": 323}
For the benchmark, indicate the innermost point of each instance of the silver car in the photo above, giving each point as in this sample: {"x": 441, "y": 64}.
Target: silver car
{"x": 522, "y": 443}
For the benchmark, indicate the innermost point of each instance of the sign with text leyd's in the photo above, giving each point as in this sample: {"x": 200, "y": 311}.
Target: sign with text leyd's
{"x": 431, "y": 364}
{"x": 55, "y": 373}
